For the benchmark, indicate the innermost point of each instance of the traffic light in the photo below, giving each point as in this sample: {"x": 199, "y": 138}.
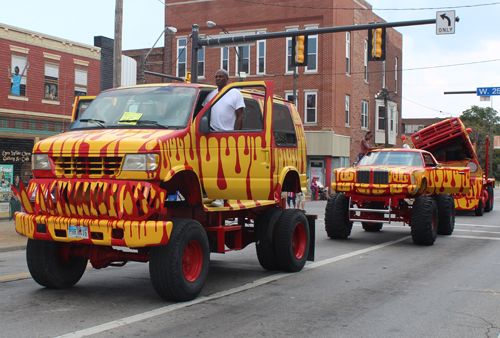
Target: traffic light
{"x": 376, "y": 43}
{"x": 187, "y": 79}
{"x": 299, "y": 50}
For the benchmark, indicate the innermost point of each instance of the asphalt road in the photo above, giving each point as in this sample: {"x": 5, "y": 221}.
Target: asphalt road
{"x": 371, "y": 285}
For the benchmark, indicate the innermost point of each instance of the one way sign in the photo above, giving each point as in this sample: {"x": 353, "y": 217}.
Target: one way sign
{"x": 445, "y": 22}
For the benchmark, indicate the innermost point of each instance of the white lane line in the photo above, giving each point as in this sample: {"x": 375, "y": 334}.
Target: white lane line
{"x": 169, "y": 308}
{"x": 475, "y": 237}
{"x": 478, "y": 225}
{"x": 478, "y": 231}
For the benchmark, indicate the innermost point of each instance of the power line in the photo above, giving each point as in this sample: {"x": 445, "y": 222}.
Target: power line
{"x": 376, "y": 9}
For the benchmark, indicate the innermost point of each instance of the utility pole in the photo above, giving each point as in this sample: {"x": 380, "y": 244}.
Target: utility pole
{"x": 117, "y": 52}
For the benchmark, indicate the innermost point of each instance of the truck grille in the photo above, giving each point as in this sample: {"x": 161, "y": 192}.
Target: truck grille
{"x": 363, "y": 176}
{"x": 380, "y": 177}
{"x": 107, "y": 165}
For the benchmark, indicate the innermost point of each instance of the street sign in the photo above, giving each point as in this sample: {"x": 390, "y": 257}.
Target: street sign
{"x": 488, "y": 91}
{"x": 445, "y": 22}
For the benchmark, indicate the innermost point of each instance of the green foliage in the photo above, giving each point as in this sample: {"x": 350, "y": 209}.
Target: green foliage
{"x": 478, "y": 118}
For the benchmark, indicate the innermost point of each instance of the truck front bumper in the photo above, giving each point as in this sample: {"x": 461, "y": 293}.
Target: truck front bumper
{"x": 108, "y": 232}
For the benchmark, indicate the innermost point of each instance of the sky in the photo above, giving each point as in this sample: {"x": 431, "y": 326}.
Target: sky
{"x": 432, "y": 64}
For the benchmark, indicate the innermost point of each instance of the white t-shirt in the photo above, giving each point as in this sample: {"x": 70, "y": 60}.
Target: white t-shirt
{"x": 224, "y": 111}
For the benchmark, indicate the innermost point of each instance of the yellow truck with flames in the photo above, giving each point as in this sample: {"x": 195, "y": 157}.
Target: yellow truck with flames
{"x": 139, "y": 168}
{"x": 450, "y": 143}
{"x": 396, "y": 185}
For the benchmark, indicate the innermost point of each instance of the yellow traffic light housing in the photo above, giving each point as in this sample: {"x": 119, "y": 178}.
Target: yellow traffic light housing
{"x": 299, "y": 50}
{"x": 187, "y": 79}
{"x": 376, "y": 44}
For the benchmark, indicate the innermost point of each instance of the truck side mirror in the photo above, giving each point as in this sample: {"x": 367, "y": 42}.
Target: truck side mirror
{"x": 204, "y": 127}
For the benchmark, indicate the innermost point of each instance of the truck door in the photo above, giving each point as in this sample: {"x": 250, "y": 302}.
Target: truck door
{"x": 237, "y": 164}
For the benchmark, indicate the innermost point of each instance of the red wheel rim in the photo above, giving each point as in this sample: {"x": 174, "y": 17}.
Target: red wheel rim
{"x": 192, "y": 261}
{"x": 299, "y": 241}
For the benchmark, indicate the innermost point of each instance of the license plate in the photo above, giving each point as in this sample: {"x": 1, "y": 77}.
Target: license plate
{"x": 78, "y": 231}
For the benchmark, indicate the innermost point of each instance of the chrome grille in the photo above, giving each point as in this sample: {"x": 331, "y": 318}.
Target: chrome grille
{"x": 363, "y": 176}
{"x": 380, "y": 177}
{"x": 107, "y": 165}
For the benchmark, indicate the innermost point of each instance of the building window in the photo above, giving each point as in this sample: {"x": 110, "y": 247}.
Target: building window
{"x": 365, "y": 60}
{"x": 312, "y": 53}
{"x": 80, "y": 82}
{"x": 364, "y": 114}
{"x": 289, "y": 63}
{"x": 261, "y": 57}
{"x": 392, "y": 119}
{"x": 244, "y": 54}
{"x": 381, "y": 118}
{"x": 18, "y": 71}
{"x": 396, "y": 75}
{"x": 224, "y": 58}
{"x": 201, "y": 62}
{"x": 347, "y": 52}
{"x": 347, "y": 99}
{"x": 51, "y": 81}
{"x": 289, "y": 97}
{"x": 311, "y": 107}
{"x": 181, "y": 57}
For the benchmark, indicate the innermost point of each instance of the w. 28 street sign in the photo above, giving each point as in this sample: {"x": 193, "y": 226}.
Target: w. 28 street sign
{"x": 488, "y": 91}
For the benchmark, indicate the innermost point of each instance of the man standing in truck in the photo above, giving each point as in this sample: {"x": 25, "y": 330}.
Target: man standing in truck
{"x": 227, "y": 113}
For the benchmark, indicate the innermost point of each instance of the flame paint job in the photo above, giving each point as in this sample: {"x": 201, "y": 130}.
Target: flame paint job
{"x": 453, "y": 131}
{"x": 427, "y": 180}
{"x": 244, "y": 168}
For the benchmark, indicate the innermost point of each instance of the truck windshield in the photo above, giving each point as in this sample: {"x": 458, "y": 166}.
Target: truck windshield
{"x": 143, "y": 107}
{"x": 402, "y": 158}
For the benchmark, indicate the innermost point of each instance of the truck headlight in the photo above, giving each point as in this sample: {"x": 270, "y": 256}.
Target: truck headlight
{"x": 141, "y": 162}
{"x": 412, "y": 179}
{"x": 40, "y": 162}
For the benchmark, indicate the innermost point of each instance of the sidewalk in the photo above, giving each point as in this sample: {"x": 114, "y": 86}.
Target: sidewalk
{"x": 9, "y": 239}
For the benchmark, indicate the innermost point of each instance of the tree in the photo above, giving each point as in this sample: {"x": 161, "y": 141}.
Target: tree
{"x": 478, "y": 118}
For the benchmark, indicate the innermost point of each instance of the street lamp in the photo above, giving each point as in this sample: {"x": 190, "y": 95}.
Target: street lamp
{"x": 240, "y": 60}
{"x": 169, "y": 30}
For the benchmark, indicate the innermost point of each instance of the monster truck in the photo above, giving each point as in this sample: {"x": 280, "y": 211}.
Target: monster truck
{"x": 139, "y": 169}
{"x": 450, "y": 143}
{"x": 389, "y": 185}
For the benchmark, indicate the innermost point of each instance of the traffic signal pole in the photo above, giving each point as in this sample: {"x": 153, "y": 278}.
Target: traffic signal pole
{"x": 197, "y": 43}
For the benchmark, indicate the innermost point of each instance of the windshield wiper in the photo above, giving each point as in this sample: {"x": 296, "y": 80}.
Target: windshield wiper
{"x": 145, "y": 122}
{"x": 98, "y": 122}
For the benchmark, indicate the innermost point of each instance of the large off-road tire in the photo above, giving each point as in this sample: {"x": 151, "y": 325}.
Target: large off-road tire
{"x": 337, "y": 223}
{"x": 179, "y": 269}
{"x": 479, "y": 209}
{"x": 424, "y": 221}
{"x": 291, "y": 240}
{"x": 264, "y": 244}
{"x": 371, "y": 227}
{"x": 48, "y": 268}
{"x": 446, "y": 214}
{"x": 489, "y": 204}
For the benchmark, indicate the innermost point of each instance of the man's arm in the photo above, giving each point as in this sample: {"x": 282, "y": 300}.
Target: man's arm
{"x": 238, "y": 125}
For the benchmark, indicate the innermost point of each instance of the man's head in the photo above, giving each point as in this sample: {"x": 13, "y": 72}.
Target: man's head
{"x": 221, "y": 78}
{"x": 16, "y": 70}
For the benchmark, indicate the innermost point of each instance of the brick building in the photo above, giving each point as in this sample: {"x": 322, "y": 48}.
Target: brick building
{"x": 335, "y": 92}
{"x": 36, "y": 101}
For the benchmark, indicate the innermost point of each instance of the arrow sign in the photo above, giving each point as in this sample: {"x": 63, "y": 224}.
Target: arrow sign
{"x": 445, "y": 22}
